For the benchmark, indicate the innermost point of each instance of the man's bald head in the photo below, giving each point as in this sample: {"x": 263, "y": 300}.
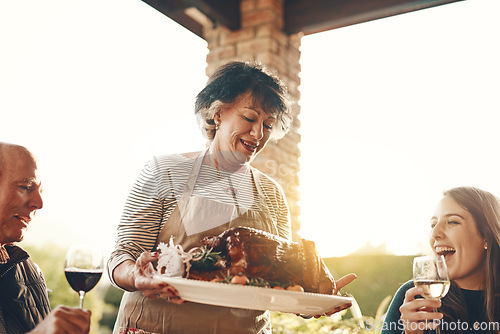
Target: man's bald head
{"x": 10, "y": 151}
{"x": 20, "y": 192}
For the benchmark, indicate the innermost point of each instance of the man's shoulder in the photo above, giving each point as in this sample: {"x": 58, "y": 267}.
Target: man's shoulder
{"x": 17, "y": 257}
{"x": 16, "y": 253}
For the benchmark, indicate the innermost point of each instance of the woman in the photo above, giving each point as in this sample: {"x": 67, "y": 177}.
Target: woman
{"x": 193, "y": 195}
{"x": 466, "y": 230}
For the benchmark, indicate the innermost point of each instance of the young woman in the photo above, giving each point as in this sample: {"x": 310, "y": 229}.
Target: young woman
{"x": 465, "y": 228}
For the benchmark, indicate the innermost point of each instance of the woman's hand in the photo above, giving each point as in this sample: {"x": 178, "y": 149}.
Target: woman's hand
{"x": 65, "y": 319}
{"x": 342, "y": 282}
{"x": 418, "y": 314}
{"x": 140, "y": 276}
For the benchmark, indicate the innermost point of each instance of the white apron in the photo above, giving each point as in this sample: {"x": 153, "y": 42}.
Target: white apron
{"x": 138, "y": 314}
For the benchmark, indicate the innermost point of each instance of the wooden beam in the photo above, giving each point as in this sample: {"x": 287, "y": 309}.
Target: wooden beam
{"x": 176, "y": 10}
{"x": 224, "y": 12}
{"x": 313, "y": 16}
{"x": 306, "y": 16}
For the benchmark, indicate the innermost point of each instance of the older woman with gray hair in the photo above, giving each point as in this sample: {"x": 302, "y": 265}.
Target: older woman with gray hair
{"x": 193, "y": 195}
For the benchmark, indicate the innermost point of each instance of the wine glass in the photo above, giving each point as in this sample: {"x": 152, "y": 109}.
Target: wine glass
{"x": 83, "y": 268}
{"x": 431, "y": 274}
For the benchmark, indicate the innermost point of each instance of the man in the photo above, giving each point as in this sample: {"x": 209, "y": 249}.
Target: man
{"x": 24, "y": 303}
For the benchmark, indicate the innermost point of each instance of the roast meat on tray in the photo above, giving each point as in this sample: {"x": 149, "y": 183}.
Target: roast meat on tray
{"x": 259, "y": 254}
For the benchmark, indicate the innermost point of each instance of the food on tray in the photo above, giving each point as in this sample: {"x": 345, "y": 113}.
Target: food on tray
{"x": 250, "y": 256}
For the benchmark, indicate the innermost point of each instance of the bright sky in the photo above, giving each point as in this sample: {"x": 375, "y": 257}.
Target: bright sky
{"x": 406, "y": 107}
{"x": 393, "y": 112}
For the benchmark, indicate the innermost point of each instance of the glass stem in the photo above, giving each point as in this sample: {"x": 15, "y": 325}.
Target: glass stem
{"x": 82, "y": 294}
{"x": 438, "y": 330}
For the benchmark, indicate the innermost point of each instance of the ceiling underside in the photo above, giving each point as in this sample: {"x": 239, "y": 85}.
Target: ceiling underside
{"x": 306, "y": 16}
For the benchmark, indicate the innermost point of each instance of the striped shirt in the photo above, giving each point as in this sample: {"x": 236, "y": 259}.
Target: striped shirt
{"x": 162, "y": 182}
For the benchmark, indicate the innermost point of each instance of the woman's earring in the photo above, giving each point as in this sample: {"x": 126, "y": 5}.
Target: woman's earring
{"x": 216, "y": 126}
{"x": 486, "y": 246}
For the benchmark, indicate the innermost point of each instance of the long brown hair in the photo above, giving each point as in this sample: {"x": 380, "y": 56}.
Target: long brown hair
{"x": 485, "y": 208}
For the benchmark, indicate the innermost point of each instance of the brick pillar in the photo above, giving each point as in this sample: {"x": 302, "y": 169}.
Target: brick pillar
{"x": 261, "y": 38}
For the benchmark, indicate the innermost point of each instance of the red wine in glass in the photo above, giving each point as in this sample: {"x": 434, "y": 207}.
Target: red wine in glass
{"x": 81, "y": 279}
{"x": 83, "y": 268}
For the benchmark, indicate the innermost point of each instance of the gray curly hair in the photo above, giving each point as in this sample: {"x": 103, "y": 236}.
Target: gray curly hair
{"x": 232, "y": 80}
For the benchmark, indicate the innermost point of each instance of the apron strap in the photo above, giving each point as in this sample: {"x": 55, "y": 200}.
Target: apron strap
{"x": 195, "y": 171}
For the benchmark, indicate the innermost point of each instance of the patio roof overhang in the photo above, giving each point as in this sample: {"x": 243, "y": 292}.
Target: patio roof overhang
{"x": 306, "y": 16}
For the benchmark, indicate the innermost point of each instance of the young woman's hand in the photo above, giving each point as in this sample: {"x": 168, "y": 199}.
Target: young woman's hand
{"x": 417, "y": 314}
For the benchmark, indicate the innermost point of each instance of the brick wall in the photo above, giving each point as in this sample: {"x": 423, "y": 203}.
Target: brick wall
{"x": 261, "y": 38}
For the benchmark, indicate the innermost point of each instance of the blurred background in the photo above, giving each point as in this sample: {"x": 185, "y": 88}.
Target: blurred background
{"x": 404, "y": 108}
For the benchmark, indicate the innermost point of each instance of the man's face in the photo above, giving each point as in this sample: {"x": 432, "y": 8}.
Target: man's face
{"x": 20, "y": 194}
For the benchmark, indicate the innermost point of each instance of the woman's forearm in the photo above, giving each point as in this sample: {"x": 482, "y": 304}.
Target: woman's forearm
{"x": 124, "y": 276}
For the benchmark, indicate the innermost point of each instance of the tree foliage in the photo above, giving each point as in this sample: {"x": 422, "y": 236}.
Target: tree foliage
{"x": 379, "y": 276}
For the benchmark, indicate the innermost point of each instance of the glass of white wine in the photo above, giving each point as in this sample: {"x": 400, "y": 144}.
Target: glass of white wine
{"x": 431, "y": 274}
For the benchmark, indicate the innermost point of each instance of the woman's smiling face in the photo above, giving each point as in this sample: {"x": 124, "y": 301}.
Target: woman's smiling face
{"x": 244, "y": 128}
{"x": 455, "y": 235}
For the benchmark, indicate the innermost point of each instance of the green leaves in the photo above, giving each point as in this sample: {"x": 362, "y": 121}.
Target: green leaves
{"x": 205, "y": 260}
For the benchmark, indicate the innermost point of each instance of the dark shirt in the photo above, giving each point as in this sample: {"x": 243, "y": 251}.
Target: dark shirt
{"x": 23, "y": 294}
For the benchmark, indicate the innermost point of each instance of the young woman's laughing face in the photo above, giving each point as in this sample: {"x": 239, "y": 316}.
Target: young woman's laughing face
{"x": 455, "y": 235}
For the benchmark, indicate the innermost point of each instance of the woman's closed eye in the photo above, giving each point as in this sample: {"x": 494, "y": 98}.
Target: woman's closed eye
{"x": 251, "y": 120}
